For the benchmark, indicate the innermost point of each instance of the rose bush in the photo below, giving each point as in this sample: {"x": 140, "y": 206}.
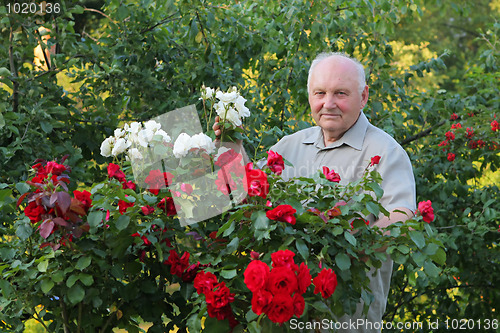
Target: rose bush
{"x": 117, "y": 254}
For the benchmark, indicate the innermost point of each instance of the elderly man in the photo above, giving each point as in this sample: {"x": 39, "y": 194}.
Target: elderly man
{"x": 345, "y": 141}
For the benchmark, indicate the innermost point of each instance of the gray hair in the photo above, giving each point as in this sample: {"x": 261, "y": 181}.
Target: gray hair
{"x": 359, "y": 67}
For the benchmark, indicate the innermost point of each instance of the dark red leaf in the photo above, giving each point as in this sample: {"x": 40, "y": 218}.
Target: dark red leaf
{"x": 60, "y": 221}
{"x": 46, "y": 228}
{"x": 22, "y": 198}
{"x": 63, "y": 201}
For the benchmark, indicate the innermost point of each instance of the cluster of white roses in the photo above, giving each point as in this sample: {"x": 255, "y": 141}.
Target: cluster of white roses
{"x": 230, "y": 105}
{"x": 131, "y": 137}
{"x": 184, "y": 143}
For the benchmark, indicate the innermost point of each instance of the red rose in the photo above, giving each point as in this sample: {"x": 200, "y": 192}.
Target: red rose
{"x": 228, "y": 157}
{"x": 204, "y": 281}
{"x": 275, "y": 162}
{"x": 84, "y": 198}
{"x": 219, "y": 296}
{"x": 470, "y": 133}
{"x": 303, "y": 278}
{"x": 281, "y": 308}
{"x": 282, "y": 280}
{"x": 55, "y": 168}
{"x": 284, "y": 258}
{"x": 425, "y": 209}
{"x": 157, "y": 180}
{"x": 168, "y": 206}
{"x": 255, "y": 182}
{"x": 298, "y": 305}
{"x": 454, "y": 116}
{"x": 256, "y": 275}
{"x": 283, "y": 213}
{"x": 220, "y": 313}
{"x": 123, "y": 205}
{"x": 375, "y": 160}
{"x": 191, "y": 272}
{"x": 450, "y": 135}
{"x": 34, "y": 212}
{"x": 146, "y": 210}
{"x": 331, "y": 175}
{"x": 177, "y": 265}
{"x": 187, "y": 188}
{"x": 128, "y": 185}
{"x": 325, "y": 283}
{"x": 494, "y": 126}
{"x": 115, "y": 172}
{"x": 260, "y": 300}
{"x": 451, "y": 157}
{"x": 225, "y": 182}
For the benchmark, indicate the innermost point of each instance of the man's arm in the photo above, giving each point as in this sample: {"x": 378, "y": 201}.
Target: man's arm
{"x": 396, "y": 215}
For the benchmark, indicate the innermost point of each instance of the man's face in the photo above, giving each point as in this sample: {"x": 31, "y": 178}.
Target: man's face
{"x": 334, "y": 96}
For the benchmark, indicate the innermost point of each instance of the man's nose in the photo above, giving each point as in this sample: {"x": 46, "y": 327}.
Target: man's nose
{"x": 330, "y": 102}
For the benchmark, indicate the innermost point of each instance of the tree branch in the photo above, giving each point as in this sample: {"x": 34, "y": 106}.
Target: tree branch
{"x": 422, "y": 133}
{"x": 13, "y": 71}
{"x": 165, "y": 20}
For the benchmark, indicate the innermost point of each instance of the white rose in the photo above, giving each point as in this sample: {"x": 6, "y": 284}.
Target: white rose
{"x": 203, "y": 141}
{"x": 227, "y": 113}
{"x": 119, "y": 147}
{"x": 134, "y": 128}
{"x": 119, "y": 133}
{"x": 145, "y": 136}
{"x": 240, "y": 106}
{"x": 152, "y": 126}
{"x": 107, "y": 146}
{"x": 227, "y": 97}
{"x": 182, "y": 145}
{"x": 135, "y": 154}
{"x": 164, "y": 135}
{"x": 207, "y": 92}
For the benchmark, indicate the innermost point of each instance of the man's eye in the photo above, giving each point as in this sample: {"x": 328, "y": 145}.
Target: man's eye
{"x": 320, "y": 92}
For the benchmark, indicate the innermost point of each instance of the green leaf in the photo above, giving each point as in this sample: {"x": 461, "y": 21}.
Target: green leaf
{"x": 95, "y": 218}
{"x": 430, "y": 269}
{"x": 122, "y": 222}
{"x": 418, "y": 238}
{"x": 228, "y": 274}
{"x": 22, "y": 187}
{"x": 373, "y": 208}
{"x": 86, "y": 279}
{"x": 42, "y": 266}
{"x": 24, "y": 231}
{"x": 47, "y": 285}
{"x": 342, "y": 261}
{"x": 260, "y": 220}
{"x": 46, "y": 126}
{"x": 350, "y": 238}
{"x": 76, "y": 294}
{"x": 70, "y": 282}
{"x": 302, "y": 248}
{"x": 83, "y": 263}
{"x": 440, "y": 256}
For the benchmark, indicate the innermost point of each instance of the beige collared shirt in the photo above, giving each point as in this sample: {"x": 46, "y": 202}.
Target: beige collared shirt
{"x": 349, "y": 156}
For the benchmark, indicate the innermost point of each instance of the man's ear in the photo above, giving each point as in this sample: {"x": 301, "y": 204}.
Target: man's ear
{"x": 364, "y": 96}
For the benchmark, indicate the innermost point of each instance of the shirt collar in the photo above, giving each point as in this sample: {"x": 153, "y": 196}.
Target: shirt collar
{"x": 354, "y": 136}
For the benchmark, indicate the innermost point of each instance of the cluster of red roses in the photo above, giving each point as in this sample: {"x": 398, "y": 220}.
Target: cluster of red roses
{"x": 278, "y": 292}
{"x": 156, "y": 180}
{"x": 217, "y": 296}
{"x": 255, "y": 180}
{"x": 469, "y": 135}
{"x": 51, "y": 204}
